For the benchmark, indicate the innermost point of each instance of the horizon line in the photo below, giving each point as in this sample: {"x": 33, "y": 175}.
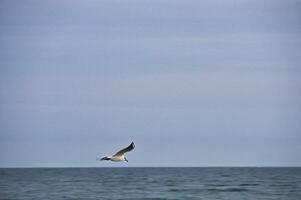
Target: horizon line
{"x": 225, "y": 166}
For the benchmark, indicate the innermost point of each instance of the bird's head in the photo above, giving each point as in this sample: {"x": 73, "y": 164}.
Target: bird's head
{"x": 126, "y": 159}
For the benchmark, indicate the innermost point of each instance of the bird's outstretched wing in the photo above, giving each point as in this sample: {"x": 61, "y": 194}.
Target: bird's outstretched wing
{"x": 127, "y": 149}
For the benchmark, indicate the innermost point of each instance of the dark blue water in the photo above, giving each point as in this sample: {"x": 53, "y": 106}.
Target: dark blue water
{"x": 151, "y": 183}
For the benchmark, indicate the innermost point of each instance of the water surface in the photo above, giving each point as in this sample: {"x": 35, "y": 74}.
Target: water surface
{"x": 150, "y": 183}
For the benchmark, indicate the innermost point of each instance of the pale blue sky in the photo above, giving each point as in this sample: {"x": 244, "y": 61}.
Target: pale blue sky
{"x": 207, "y": 83}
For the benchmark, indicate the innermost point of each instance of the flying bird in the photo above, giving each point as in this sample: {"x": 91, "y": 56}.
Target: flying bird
{"x": 120, "y": 155}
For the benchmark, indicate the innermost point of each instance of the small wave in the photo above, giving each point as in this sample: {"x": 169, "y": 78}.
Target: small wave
{"x": 174, "y": 190}
{"x": 216, "y": 185}
{"x": 225, "y": 175}
{"x": 148, "y": 198}
{"x": 178, "y": 190}
{"x": 248, "y": 184}
{"x": 227, "y": 189}
{"x": 281, "y": 185}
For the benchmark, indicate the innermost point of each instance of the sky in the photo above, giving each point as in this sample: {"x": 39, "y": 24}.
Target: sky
{"x": 192, "y": 83}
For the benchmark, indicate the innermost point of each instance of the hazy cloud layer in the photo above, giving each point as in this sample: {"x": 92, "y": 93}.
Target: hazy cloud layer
{"x": 218, "y": 78}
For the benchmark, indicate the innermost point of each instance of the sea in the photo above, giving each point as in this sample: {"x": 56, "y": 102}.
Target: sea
{"x": 235, "y": 183}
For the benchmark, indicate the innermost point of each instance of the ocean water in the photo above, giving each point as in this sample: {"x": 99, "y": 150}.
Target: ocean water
{"x": 151, "y": 183}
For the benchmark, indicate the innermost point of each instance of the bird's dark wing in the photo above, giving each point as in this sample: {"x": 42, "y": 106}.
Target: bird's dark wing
{"x": 127, "y": 149}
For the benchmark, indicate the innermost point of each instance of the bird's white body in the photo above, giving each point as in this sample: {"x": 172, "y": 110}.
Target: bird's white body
{"x": 117, "y": 158}
{"x": 120, "y": 155}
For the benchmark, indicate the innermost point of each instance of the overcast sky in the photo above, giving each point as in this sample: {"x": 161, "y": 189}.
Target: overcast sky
{"x": 192, "y": 83}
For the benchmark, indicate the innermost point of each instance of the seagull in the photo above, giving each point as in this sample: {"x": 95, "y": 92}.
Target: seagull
{"x": 120, "y": 155}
